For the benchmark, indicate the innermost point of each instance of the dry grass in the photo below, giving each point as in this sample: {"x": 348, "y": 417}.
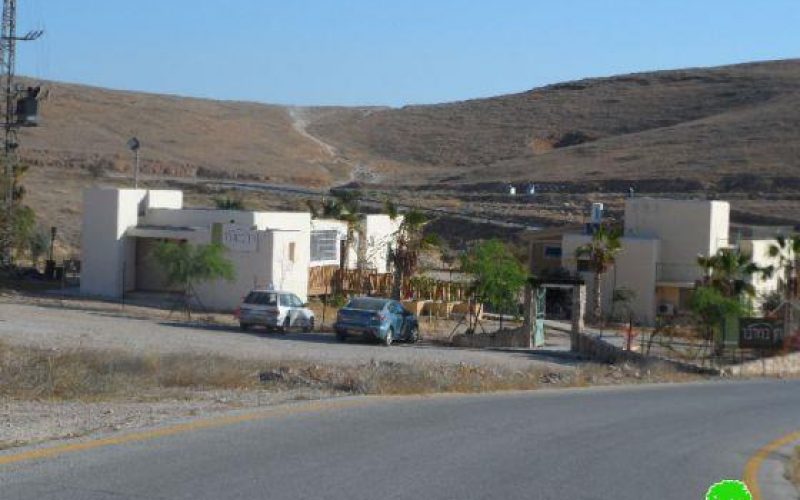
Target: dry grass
{"x": 793, "y": 468}
{"x": 29, "y": 373}
{"x": 35, "y": 374}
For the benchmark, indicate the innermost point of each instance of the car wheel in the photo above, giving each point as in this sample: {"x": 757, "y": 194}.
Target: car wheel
{"x": 413, "y": 335}
{"x": 387, "y": 341}
{"x": 309, "y": 326}
{"x": 341, "y": 336}
{"x": 244, "y": 326}
{"x": 286, "y": 325}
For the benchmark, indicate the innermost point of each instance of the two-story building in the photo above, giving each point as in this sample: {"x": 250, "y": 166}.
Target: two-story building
{"x": 661, "y": 242}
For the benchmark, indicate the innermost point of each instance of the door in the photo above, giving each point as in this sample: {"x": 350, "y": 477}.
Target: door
{"x": 287, "y": 304}
{"x": 398, "y": 319}
{"x": 301, "y": 315}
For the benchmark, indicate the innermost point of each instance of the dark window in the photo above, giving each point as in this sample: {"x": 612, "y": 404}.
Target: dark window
{"x": 261, "y": 298}
{"x": 286, "y": 301}
{"x": 324, "y": 245}
{"x": 366, "y": 304}
{"x": 552, "y": 252}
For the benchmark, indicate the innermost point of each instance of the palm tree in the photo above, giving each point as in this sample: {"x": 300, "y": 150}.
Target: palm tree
{"x": 787, "y": 252}
{"x": 731, "y": 272}
{"x": 601, "y": 253}
{"x": 725, "y": 289}
{"x": 229, "y": 203}
{"x": 410, "y": 241}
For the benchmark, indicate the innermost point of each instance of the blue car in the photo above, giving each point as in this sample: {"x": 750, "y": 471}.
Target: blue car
{"x": 384, "y": 320}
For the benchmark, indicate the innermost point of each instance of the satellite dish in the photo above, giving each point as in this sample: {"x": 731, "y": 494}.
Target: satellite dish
{"x": 134, "y": 144}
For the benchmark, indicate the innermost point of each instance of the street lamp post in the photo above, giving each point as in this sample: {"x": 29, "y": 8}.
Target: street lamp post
{"x": 134, "y": 145}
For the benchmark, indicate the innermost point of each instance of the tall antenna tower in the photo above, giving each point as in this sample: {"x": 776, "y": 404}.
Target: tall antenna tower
{"x": 20, "y": 109}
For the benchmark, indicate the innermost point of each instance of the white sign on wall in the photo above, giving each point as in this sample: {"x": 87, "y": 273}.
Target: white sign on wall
{"x": 239, "y": 238}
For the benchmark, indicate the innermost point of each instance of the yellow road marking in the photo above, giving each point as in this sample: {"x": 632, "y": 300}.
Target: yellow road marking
{"x": 753, "y": 465}
{"x": 54, "y": 451}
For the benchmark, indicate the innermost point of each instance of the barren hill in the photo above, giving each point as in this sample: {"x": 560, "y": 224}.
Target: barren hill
{"x": 89, "y": 127}
{"x": 698, "y": 124}
{"x": 732, "y": 131}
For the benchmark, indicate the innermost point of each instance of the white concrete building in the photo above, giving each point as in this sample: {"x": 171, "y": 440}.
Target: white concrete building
{"x": 372, "y": 242}
{"x": 658, "y": 261}
{"x": 121, "y": 228}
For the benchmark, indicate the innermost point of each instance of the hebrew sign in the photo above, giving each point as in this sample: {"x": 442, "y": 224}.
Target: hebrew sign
{"x": 760, "y": 333}
{"x": 239, "y": 238}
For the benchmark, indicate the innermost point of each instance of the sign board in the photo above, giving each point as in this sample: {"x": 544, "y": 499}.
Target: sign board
{"x": 760, "y": 333}
{"x": 239, "y": 238}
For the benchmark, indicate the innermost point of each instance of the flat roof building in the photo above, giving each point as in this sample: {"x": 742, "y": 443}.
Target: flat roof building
{"x": 661, "y": 242}
{"x": 122, "y": 228}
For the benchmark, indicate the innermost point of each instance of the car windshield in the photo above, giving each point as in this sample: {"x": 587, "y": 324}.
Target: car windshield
{"x": 366, "y": 304}
{"x": 262, "y": 298}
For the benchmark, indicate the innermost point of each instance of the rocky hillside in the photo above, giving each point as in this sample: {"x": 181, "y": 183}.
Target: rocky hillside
{"x": 729, "y": 131}
{"x": 719, "y": 125}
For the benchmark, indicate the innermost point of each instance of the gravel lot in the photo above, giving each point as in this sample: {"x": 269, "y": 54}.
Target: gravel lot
{"x": 80, "y": 324}
{"x": 96, "y": 325}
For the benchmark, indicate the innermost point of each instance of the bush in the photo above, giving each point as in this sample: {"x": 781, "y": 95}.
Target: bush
{"x": 498, "y": 276}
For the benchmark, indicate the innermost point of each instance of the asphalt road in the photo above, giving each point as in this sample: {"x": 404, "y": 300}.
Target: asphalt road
{"x": 659, "y": 442}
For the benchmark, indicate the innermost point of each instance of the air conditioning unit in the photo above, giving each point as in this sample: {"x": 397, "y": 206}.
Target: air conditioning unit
{"x": 666, "y": 309}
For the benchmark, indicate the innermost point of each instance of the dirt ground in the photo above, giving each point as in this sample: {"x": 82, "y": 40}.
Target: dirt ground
{"x": 66, "y": 324}
{"x": 60, "y": 326}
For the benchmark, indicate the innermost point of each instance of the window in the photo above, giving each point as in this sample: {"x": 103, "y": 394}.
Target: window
{"x": 291, "y": 251}
{"x": 286, "y": 300}
{"x": 552, "y": 252}
{"x": 324, "y": 245}
{"x": 262, "y": 298}
{"x": 366, "y": 304}
{"x": 296, "y": 302}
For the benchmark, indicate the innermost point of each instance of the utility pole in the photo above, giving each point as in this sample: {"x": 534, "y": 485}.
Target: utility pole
{"x": 21, "y": 109}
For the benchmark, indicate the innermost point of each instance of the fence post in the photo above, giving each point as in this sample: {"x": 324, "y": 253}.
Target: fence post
{"x": 578, "y": 308}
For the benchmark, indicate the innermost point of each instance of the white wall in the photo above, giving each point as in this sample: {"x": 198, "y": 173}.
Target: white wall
{"x": 686, "y": 228}
{"x": 195, "y": 217}
{"x": 380, "y": 232}
{"x": 635, "y": 270}
{"x": 107, "y": 214}
{"x": 289, "y": 221}
{"x": 290, "y": 274}
{"x": 162, "y": 198}
{"x": 108, "y": 254}
{"x": 759, "y": 252}
{"x": 252, "y": 271}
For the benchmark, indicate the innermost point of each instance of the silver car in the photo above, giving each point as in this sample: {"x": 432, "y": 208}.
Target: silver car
{"x": 275, "y": 310}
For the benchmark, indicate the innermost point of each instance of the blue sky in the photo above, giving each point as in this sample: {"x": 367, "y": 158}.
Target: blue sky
{"x": 391, "y": 52}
